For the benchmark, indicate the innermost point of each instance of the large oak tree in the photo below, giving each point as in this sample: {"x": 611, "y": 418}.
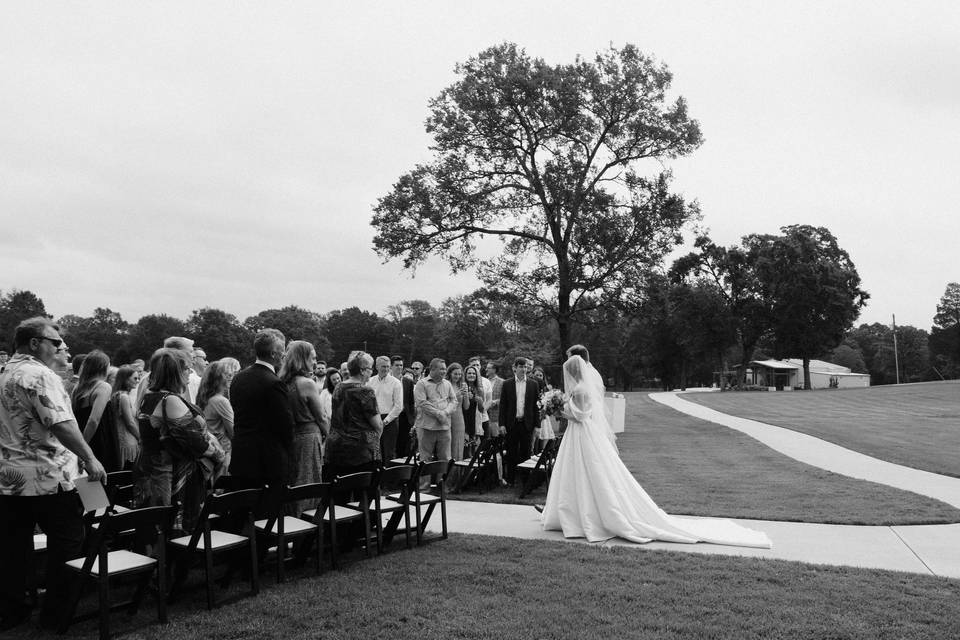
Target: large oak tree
{"x": 550, "y": 159}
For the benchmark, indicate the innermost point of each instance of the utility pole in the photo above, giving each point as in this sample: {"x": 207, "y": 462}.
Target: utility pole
{"x": 896, "y": 358}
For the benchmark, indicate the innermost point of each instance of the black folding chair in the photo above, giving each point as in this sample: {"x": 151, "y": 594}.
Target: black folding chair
{"x": 234, "y": 508}
{"x": 437, "y": 471}
{"x": 283, "y": 528}
{"x": 480, "y": 464}
{"x": 101, "y": 564}
{"x": 396, "y": 507}
{"x": 330, "y": 514}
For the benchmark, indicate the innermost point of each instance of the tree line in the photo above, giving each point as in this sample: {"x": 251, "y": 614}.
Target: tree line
{"x": 681, "y": 334}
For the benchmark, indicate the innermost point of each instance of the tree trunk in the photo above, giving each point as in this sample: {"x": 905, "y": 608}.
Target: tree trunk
{"x": 806, "y": 373}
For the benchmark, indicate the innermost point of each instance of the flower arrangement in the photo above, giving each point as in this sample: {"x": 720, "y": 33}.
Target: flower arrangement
{"x": 551, "y": 403}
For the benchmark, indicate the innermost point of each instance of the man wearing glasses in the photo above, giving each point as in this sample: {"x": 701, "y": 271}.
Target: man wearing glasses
{"x": 40, "y": 443}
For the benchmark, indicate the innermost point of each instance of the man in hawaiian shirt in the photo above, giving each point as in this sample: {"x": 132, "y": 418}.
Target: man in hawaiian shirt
{"x": 39, "y": 448}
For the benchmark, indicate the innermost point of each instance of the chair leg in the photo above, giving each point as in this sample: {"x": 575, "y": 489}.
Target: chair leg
{"x": 103, "y": 584}
{"x": 208, "y": 571}
{"x": 162, "y": 591}
{"x": 281, "y": 556}
{"x": 406, "y": 519}
{"x": 333, "y": 542}
{"x": 254, "y": 565}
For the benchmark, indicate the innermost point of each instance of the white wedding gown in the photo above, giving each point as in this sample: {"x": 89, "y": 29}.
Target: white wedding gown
{"x": 593, "y": 495}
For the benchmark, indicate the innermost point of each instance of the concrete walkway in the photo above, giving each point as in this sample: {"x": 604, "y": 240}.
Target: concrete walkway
{"x": 926, "y": 549}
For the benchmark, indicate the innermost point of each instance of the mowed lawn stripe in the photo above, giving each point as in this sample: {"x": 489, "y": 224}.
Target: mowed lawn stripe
{"x": 694, "y": 467}
{"x": 915, "y": 425}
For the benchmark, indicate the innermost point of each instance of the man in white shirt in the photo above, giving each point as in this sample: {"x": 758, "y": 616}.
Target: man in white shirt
{"x": 436, "y": 400}
{"x": 389, "y": 392}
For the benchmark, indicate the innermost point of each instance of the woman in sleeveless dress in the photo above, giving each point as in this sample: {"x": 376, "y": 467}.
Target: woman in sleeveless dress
{"x": 213, "y": 398}
{"x": 308, "y": 433}
{"x": 593, "y": 495}
{"x": 94, "y": 411}
{"x": 458, "y": 428}
{"x": 179, "y": 456}
{"x": 128, "y": 434}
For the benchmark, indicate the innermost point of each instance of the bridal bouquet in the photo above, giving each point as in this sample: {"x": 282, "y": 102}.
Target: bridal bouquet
{"x": 551, "y": 403}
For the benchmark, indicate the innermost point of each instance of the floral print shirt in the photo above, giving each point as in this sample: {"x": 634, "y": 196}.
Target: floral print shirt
{"x": 33, "y": 462}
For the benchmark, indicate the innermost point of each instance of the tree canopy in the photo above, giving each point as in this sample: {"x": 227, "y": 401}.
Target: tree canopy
{"x": 945, "y": 333}
{"x": 548, "y": 158}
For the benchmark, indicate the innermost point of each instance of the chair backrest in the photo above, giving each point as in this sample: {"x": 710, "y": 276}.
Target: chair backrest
{"x": 397, "y": 474}
{"x": 314, "y": 490}
{"x": 244, "y": 499}
{"x": 156, "y": 517}
{"x": 353, "y": 481}
{"x": 436, "y": 468}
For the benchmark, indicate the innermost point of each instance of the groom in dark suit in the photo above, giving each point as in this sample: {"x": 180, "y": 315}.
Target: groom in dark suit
{"x": 518, "y": 416}
{"x": 263, "y": 421}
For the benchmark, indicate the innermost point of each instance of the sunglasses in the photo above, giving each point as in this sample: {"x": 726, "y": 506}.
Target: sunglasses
{"x": 54, "y": 341}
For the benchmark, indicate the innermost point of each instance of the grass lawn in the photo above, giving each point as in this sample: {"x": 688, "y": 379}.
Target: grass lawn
{"x": 693, "y": 467}
{"x": 484, "y": 587}
{"x": 916, "y": 425}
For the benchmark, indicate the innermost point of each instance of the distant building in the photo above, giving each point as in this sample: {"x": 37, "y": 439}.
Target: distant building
{"x": 788, "y": 374}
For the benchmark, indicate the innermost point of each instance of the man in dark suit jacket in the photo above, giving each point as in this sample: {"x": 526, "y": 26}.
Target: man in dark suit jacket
{"x": 262, "y": 419}
{"x": 518, "y": 415}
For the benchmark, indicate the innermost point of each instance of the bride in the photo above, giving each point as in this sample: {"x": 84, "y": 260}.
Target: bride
{"x": 593, "y": 495}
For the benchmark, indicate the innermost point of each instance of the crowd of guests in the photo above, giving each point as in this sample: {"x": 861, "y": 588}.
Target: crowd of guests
{"x": 179, "y": 423}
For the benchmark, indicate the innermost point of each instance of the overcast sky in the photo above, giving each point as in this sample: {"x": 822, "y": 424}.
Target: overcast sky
{"x": 160, "y": 157}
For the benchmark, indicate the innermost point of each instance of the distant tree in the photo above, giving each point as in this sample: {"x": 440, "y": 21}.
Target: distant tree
{"x": 733, "y": 271}
{"x": 413, "y": 327}
{"x": 547, "y": 159}
{"x": 352, "y": 329}
{"x": 945, "y": 333}
{"x": 913, "y": 350}
{"x": 220, "y": 334}
{"x": 15, "y": 307}
{"x": 295, "y": 324}
{"x": 850, "y": 356}
{"x": 812, "y": 288}
{"x": 147, "y": 334}
{"x": 105, "y": 330}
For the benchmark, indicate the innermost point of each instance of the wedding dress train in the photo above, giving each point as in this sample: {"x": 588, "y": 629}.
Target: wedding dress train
{"x": 593, "y": 495}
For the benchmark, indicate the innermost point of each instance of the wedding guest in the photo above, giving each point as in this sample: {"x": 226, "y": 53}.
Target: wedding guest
{"x": 91, "y": 406}
{"x": 75, "y": 364}
{"x": 330, "y": 382}
{"x": 344, "y": 372}
{"x": 409, "y": 414}
{"x": 112, "y": 375}
{"x": 4, "y": 358}
{"x": 138, "y": 367}
{"x": 178, "y": 470}
{"x": 213, "y": 398}
{"x": 319, "y": 373}
{"x": 519, "y": 416}
{"x": 418, "y": 371}
{"x": 457, "y": 426}
{"x": 493, "y": 407}
{"x": 308, "y": 433}
{"x": 263, "y": 422}
{"x": 435, "y": 400}
{"x": 389, "y": 393}
{"x": 483, "y": 424}
{"x": 173, "y": 342}
{"x": 354, "y": 442}
{"x": 40, "y": 443}
{"x": 473, "y": 414}
{"x": 198, "y": 364}
{"x": 128, "y": 433}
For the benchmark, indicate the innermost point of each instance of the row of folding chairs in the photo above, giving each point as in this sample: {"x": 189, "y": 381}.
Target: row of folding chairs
{"x": 240, "y": 521}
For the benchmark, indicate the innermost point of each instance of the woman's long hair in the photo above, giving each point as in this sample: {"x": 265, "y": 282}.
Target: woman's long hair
{"x": 328, "y": 383}
{"x": 93, "y": 370}
{"x": 295, "y": 361}
{"x": 169, "y": 370}
{"x": 216, "y": 379}
{"x": 124, "y": 379}
{"x": 475, "y": 385}
{"x": 454, "y": 367}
